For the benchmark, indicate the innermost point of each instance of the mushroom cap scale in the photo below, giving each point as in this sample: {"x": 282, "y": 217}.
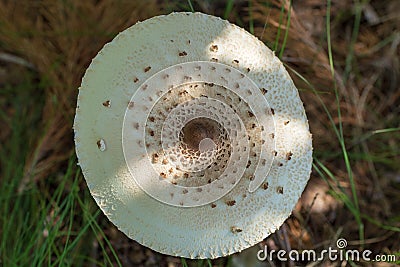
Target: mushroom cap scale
{"x": 136, "y": 98}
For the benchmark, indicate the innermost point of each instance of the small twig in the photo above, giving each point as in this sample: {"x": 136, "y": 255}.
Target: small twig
{"x": 287, "y": 242}
{"x": 300, "y": 242}
{"x": 265, "y": 24}
{"x": 16, "y": 60}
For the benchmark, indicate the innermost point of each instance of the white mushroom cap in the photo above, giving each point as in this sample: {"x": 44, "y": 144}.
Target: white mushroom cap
{"x": 191, "y": 136}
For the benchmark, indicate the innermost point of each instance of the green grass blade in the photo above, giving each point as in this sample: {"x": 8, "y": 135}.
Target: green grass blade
{"x": 328, "y": 37}
{"x": 190, "y": 5}
{"x": 354, "y": 36}
{"x": 356, "y": 212}
{"x": 381, "y": 225}
{"x": 228, "y": 8}
{"x": 286, "y": 31}
{"x": 184, "y": 263}
{"x": 251, "y": 20}
{"x": 278, "y": 34}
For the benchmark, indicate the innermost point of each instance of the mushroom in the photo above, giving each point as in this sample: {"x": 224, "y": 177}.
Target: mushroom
{"x": 191, "y": 136}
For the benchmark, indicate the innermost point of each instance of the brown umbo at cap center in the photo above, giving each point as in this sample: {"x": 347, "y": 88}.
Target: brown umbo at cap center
{"x": 198, "y": 130}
